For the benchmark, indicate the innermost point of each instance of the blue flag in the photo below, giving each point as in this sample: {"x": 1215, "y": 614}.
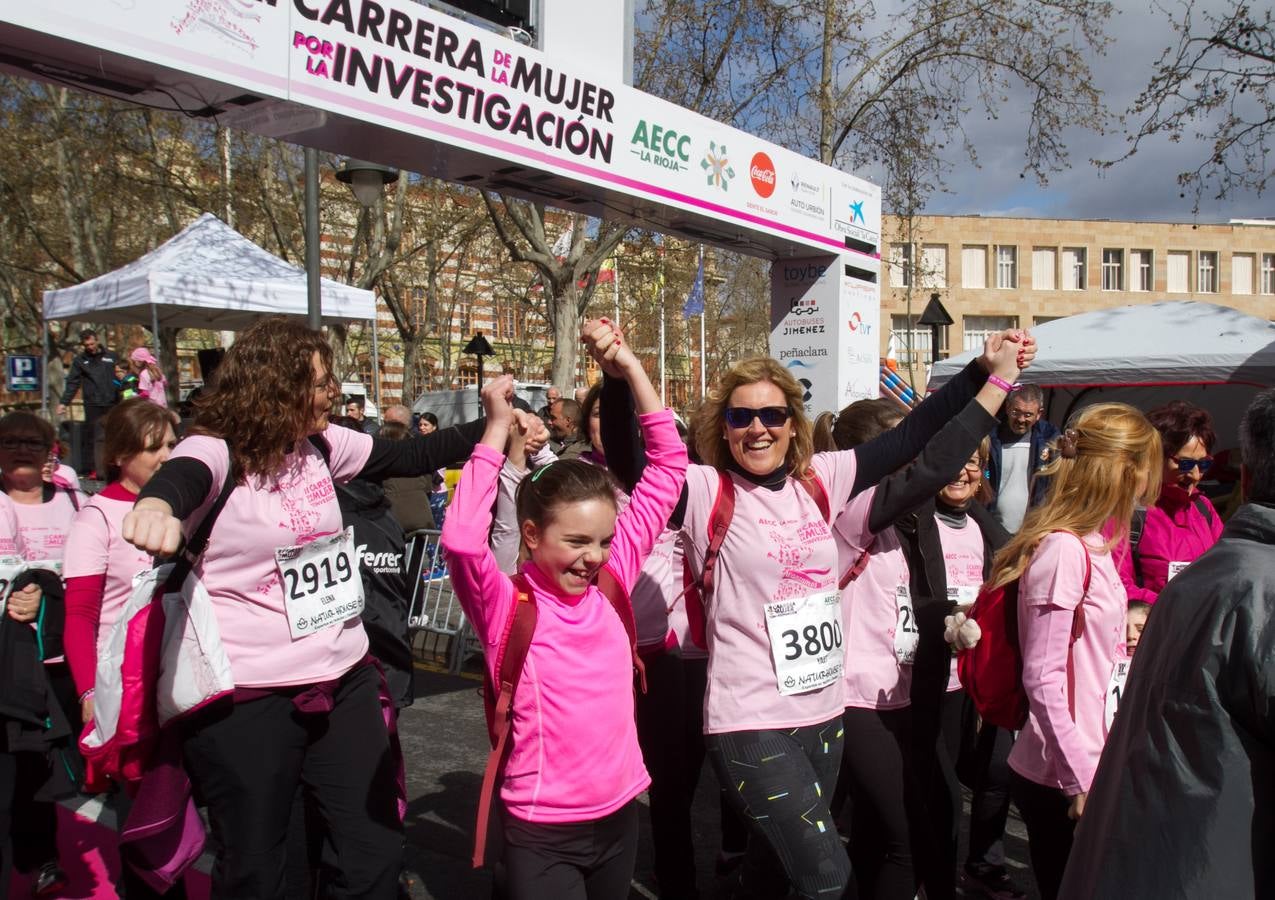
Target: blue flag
{"x": 694, "y": 305}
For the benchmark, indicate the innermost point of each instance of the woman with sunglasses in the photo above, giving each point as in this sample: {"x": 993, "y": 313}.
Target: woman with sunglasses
{"x": 773, "y": 720}
{"x": 1182, "y": 523}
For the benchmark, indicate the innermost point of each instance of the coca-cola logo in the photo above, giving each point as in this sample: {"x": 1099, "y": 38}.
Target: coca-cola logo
{"x": 762, "y": 173}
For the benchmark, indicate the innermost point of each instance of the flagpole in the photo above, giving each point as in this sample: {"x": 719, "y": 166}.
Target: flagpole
{"x": 615, "y": 284}
{"x": 703, "y": 348}
{"x": 663, "y": 379}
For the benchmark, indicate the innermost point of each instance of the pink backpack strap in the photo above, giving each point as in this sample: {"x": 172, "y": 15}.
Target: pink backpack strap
{"x": 814, "y": 487}
{"x": 511, "y": 656}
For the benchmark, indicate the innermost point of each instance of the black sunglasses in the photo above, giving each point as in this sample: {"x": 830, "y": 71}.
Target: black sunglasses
{"x": 31, "y": 445}
{"x": 742, "y": 416}
{"x": 1186, "y": 465}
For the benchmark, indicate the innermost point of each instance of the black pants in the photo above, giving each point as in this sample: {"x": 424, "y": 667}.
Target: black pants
{"x": 91, "y": 441}
{"x": 887, "y": 823}
{"x": 670, "y": 727}
{"x": 247, "y": 762}
{"x": 989, "y": 775}
{"x": 28, "y": 826}
{"x": 938, "y": 754}
{"x": 781, "y": 781}
{"x": 1049, "y": 831}
{"x": 578, "y": 861}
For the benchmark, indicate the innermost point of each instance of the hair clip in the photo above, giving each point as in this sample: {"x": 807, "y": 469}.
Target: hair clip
{"x": 1067, "y": 443}
{"x": 536, "y": 474}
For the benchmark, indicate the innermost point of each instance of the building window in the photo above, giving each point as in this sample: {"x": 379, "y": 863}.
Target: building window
{"x": 1242, "y": 273}
{"x": 1206, "y": 272}
{"x": 1007, "y": 267}
{"x": 974, "y": 267}
{"x": 1268, "y": 273}
{"x": 1112, "y": 270}
{"x": 978, "y": 328}
{"x": 911, "y": 344}
{"x": 1073, "y": 268}
{"x": 900, "y": 265}
{"x": 1140, "y": 267}
{"x": 507, "y": 320}
{"x": 1178, "y": 271}
{"x": 933, "y": 266}
{"x": 468, "y": 376}
{"x": 1044, "y": 265}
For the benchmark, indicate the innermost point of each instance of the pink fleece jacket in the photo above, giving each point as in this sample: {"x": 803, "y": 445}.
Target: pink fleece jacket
{"x": 1060, "y": 745}
{"x": 575, "y": 755}
{"x": 1177, "y": 532}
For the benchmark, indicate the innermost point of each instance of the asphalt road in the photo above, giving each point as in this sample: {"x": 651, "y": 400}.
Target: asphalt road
{"x": 445, "y": 746}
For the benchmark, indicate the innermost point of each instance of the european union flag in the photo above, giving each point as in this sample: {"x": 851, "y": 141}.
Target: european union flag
{"x": 694, "y": 305}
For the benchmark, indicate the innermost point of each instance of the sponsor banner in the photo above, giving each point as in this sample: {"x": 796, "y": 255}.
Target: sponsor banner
{"x": 404, "y": 66}
{"x": 860, "y": 347}
{"x": 804, "y": 335}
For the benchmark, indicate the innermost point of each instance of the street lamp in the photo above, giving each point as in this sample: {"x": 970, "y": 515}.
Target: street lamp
{"x": 366, "y": 180}
{"x": 937, "y": 318}
{"x": 480, "y": 347}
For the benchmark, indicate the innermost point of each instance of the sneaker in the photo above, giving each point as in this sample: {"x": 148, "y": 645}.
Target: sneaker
{"x": 49, "y": 880}
{"x": 990, "y": 881}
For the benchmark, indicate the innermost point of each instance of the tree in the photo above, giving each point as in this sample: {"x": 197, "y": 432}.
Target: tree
{"x": 569, "y": 280}
{"x": 1219, "y": 82}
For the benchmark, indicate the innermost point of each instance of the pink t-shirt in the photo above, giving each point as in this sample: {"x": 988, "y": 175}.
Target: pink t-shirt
{"x": 963, "y": 559}
{"x": 875, "y": 679}
{"x": 575, "y": 755}
{"x": 10, "y": 536}
{"x": 44, "y": 526}
{"x": 95, "y": 547}
{"x": 153, "y": 389}
{"x": 294, "y": 506}
{"x": 778, "y": 547}
{"x": 1058, "y": 747}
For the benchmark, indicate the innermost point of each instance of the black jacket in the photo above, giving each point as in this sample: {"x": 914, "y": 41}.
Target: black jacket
{"x": 1183, "y": 803}
{"x": 96, "y": 374}
{"x": 378, "y": 539}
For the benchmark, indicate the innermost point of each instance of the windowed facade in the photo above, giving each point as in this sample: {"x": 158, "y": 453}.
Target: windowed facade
{"x": 1073, "y": 268}
{"x": 1206, "y": 272}
{"x": 911, "y": 342}
{"x": 974, "y": 267}
{"x": 1268, "y": 273}
{"x": 1044, "y": 265}
{"x": 1112, "y": 270}
{"x": 1141, "y": 271}
{"x": 1006, "y": 267}
{"x": 933, "y": 266}
{"x": 1242, "y": 273}
{"x": 978, "y": 328}
{"x": 1179, "y": 271}
{"x": 900, "y": 265}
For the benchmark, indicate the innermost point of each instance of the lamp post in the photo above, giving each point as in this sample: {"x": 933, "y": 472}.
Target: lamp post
{"x": 480, "y": 347}
{"x": 367, "y": 182}
{"x": 937, "y": 318}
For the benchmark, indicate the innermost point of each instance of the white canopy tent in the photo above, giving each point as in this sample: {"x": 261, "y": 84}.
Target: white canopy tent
{"x": 206, "y": 276}
{"x": 1213, "y": 356}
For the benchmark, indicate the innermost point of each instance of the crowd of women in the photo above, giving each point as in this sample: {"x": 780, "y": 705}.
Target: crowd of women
{"x": 784, "y": 607}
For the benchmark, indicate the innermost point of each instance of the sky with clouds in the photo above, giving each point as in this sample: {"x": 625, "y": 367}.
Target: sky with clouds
{"x": 1142, "y": 188}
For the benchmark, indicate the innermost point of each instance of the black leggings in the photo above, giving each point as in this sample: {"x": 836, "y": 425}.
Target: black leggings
{"x": 781, "y": 781}
{"x": 576, "y": 861}
{"x": 887, "y": 829}
{"x": 989, "y": 780}
{"x": 247, "y": 762}
{"x": 1049, "y": 831}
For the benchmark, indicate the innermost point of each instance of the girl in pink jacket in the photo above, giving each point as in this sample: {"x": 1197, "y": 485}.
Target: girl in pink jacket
{"x": 574, "y": 769}
{"x": 1071, "y": 619}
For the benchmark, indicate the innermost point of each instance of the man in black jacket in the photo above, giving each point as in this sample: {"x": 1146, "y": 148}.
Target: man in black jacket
{"x": 1181, "y": 805}
{"x": 94, "y": 371}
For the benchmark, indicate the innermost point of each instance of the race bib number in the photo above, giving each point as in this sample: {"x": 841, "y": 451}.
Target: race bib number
{"x": 963, "y": 596}
{"x": 10, "y": 568}
{"x": 806, "y": 642}
{"x": 1119, "y": 675}
{"x": 906, "y": 634}
{"x": 1175, "y": 569}
{"x": 321, "y": 583}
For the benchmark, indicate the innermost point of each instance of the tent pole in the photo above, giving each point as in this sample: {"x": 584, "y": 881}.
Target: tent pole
{"x": 44, "y": 373}
{"x": 159, "y": 351}
{"x": 376, "y": 366}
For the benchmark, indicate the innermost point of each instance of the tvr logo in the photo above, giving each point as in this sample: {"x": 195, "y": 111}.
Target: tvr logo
{"x": 856, "y": 324}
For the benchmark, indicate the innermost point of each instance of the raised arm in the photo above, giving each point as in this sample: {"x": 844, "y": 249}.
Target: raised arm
{"x": 1004, "y": 355}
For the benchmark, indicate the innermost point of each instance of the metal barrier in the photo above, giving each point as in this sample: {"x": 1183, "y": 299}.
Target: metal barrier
{"x": 433, "y": 608}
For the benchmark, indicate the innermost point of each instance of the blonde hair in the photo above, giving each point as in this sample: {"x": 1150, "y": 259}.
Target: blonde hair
{"x": 1115, "y": 447}
{"x": 710, "y": 419}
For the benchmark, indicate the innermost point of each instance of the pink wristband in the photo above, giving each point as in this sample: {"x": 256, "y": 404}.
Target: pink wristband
{"x": 997, "y": 381}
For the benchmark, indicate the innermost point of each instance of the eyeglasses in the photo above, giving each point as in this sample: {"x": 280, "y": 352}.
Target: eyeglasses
{"x": 31, "y": 445}
{"x": 1186, "y": 465}
{"x": 974, "y": 465}
{"x": 742, "y": 416}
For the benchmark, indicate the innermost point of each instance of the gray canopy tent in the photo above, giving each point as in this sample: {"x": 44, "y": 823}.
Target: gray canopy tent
{"x": 206, "y": 276}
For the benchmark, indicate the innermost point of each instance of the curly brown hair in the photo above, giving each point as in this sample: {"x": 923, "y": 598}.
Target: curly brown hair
{"x": 261, "y": 401}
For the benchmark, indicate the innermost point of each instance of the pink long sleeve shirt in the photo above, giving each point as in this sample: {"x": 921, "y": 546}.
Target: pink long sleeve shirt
{"x": 575, "y": 754}
{"x": 10, "y": 537}
{"x": 1060, "y": 745}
